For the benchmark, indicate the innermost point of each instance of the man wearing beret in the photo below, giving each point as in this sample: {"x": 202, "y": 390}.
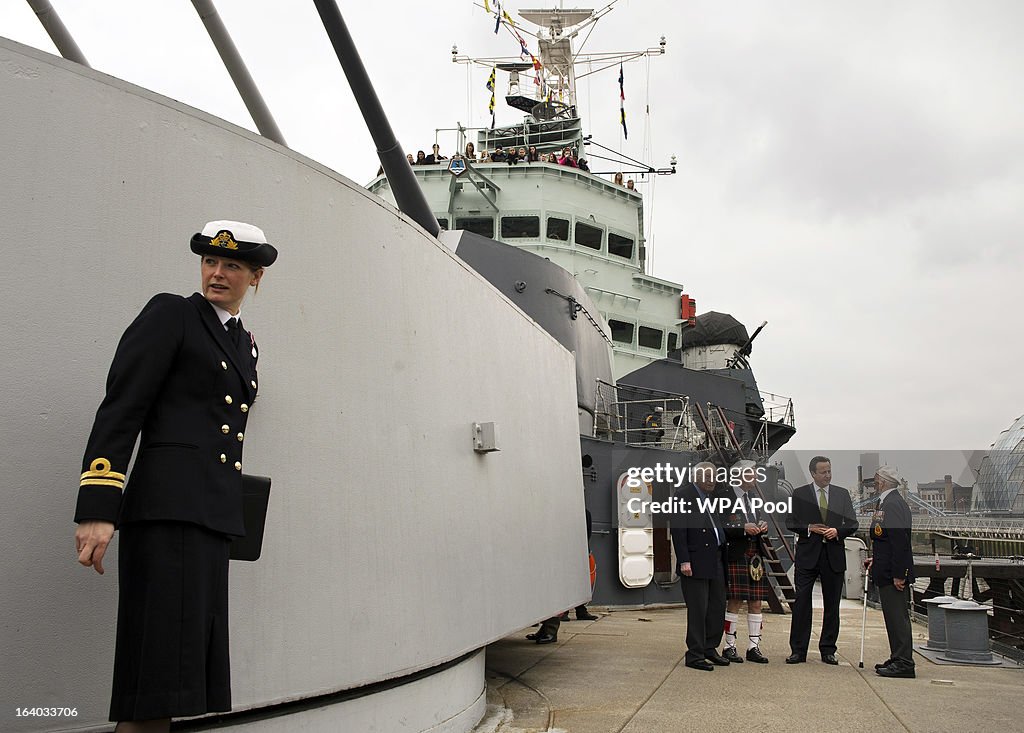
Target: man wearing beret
{"x": 183, "y": 377}
{"x": 892, "y": 572}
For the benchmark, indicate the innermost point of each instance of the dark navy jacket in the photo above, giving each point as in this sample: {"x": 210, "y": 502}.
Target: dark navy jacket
{"x": 890, "y": 541}
{"x": 693, "y": 536}
{"x": 177, "y": 379}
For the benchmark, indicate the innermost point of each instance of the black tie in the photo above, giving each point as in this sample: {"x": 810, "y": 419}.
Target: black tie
{"x": 234, "y": 331}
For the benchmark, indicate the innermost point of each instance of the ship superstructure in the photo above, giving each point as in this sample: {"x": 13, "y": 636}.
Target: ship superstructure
{"x": 587, "y": 224}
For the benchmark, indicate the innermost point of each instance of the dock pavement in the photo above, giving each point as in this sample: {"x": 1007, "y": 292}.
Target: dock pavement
{"x": 624, "y": 673}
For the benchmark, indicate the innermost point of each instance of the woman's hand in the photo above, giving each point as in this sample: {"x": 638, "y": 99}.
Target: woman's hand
{"x": 91, "y": 540}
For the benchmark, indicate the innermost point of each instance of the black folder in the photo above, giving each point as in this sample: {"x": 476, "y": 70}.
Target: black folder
{"x": 255, "y": 496}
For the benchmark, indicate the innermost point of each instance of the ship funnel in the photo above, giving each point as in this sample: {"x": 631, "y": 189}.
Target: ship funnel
{"x": 408, "y": 194}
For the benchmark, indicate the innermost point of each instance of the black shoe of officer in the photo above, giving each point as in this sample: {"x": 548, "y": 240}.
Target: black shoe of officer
{"x": 586, "y": 616}
{"x": 886, "y": 663}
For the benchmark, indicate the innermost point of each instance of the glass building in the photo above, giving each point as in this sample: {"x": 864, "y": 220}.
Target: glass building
{"x": 1000, "y": 486}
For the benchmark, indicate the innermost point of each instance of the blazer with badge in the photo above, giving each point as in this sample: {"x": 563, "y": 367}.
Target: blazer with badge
{"x": 693, "y": 536}
{"x": 177, "y": 378}
{"x": 806, "y": 511}
{"x": 890, "y": 541}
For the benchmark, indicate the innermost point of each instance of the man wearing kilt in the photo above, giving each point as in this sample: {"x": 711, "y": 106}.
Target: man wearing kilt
{"x": 744, "y": 566}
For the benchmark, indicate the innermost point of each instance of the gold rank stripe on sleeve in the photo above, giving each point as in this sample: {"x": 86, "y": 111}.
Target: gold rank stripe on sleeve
{"x": 99, "y": 474}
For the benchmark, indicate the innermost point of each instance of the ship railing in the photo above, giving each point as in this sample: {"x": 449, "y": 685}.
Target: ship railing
{"x": 1009, "y": 529}
{"x": 778, "y": 409}
{"x": 646, "y": 417}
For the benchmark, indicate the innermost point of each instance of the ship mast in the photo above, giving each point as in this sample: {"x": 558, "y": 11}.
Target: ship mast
{"x": 552, "y": 104}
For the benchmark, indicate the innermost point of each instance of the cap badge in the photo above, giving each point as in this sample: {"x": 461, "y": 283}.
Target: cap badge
{"x": 224, "y": 239}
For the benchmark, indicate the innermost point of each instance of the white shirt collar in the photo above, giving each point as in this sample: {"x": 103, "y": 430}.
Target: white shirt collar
{"x": 223, "y": 315}
{"x": 819, "y": 488}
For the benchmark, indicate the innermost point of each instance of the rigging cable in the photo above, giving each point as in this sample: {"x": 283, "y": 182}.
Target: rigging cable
{"x": 648, "y": 152}
{"x": 645, "y": 166}
{"x": 469, "y": 95}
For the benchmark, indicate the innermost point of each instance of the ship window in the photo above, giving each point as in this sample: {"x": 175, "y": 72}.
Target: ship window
{"x": 621, "y": 246}
{"x": 520, "y": 227}
{"x": 588, "y": 236}
{"x": 483, "y": 225}
{"x": 673, "y": 341}
{"x": 650, "y": 338}
{"x": 622, "y": 332}
{"x": 558, "y": 229}
{"x": 443, "y": 223}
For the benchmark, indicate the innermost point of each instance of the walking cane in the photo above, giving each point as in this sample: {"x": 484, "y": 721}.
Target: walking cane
{"x": 863, "y": 619}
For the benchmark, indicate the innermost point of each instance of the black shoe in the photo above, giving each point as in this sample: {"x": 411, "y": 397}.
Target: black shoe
{"x": 717, "y": 659}
{"x": 754, "y": 655}
{"x": 886, "y": 663}
{"x": 564, "y": 617}
{"x": 796, "y": 659}
{"x": 829, "y": 659}
{"x": 531, "y": 637}
{"x": 702, "y": 665}
{"x": 546, "y": 638}
{"x": 732, "y": 655}
{"x": 897, "y": 669}
{"x": 586, "y": 616}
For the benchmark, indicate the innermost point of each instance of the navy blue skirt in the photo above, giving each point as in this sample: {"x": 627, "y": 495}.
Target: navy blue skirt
{"x": 171, "y": 658}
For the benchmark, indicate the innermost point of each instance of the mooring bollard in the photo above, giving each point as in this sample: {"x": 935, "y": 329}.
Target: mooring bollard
{"x": 937, "y": 623}
{"x": 967, "y": 633}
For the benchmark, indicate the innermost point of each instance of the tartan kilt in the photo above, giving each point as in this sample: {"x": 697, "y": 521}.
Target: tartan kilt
{"x": 738, "y": 583}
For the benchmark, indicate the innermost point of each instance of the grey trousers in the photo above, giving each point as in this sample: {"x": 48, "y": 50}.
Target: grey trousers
{"x": 896, "y": 612}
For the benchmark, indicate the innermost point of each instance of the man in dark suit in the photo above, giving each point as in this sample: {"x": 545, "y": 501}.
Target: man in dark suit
{"x": 892, "y": 572}
{"x": 184, "y": 376}
{"x": 699, "y": 541}
{"x": 822, "y": 518}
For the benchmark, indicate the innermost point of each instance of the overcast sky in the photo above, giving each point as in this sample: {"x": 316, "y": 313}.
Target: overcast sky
{"x": 851, "y": 172}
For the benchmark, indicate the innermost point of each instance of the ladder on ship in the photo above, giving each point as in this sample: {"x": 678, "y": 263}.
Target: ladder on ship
{"x": 783, "y": 592}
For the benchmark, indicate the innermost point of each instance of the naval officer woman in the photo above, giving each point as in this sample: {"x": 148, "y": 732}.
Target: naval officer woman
{"x": 184, "y": 376}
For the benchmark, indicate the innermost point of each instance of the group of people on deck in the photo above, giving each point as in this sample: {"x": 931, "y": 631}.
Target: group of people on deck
{"x": 513, "y": 156}
{"x": 722, "y": 566}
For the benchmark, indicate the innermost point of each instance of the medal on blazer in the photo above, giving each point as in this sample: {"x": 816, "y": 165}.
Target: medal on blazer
{"x": 878, "y": 530}
{"x": 756, "y": 568}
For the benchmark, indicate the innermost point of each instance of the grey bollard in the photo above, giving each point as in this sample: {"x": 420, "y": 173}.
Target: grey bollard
{"x": 967, "y": 633}
{"x": 937, "y": 623}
